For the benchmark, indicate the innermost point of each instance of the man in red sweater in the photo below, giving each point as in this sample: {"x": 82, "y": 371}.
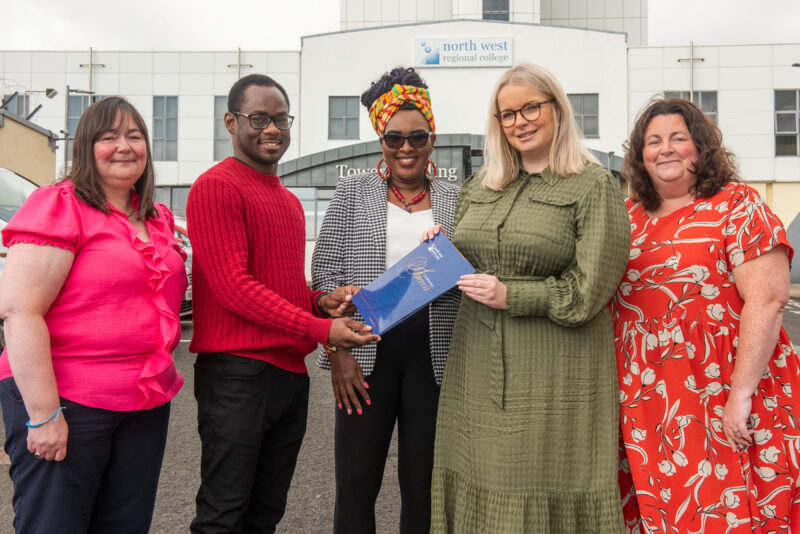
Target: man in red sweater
{"x": 255, "y": 319}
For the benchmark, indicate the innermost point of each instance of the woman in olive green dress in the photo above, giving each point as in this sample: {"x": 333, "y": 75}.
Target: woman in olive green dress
{"x": 526, "y": 439}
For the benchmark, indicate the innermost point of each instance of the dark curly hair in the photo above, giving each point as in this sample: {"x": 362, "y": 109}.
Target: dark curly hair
{"x": 715, "y": 164}
{"x": 401, "y": 75}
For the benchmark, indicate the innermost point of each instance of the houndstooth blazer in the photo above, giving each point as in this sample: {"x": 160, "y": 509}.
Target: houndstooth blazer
{"x": 351, "y": 249}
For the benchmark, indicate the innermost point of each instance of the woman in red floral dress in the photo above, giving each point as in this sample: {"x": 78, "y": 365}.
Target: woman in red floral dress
{"x": 706, "y": 372}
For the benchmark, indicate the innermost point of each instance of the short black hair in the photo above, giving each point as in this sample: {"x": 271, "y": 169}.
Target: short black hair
{"x": 398, "y": 75}
{"x": 236, "y": 94}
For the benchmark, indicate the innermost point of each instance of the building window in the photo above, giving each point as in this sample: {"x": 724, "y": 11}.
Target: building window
{"x": 343, "y": 117}
{"x": 18, "y": 104}
{"x": 174, "y": 198}
{"x": 315, "y": 202}
{"x": 495, "y": 9}
{"x": 76, "y": 105}
{"x": 222, "y": 139}
{"x": 165, "y": 128}
{"x": 705, "y": 100}
{"x": 787, "y": 122}
{"x": 585, "y": 107}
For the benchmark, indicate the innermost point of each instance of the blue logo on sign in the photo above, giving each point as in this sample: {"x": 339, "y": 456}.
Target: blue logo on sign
{"x": 431, "y": 56}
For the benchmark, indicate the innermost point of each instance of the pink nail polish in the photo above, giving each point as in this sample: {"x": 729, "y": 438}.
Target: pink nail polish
{"x": 366, "y": 385}
{"x": 340, "y": 405}
{"x": 359, "y": 411}
{"x": 349, "y": 411}
{"x": 369, "y": 403}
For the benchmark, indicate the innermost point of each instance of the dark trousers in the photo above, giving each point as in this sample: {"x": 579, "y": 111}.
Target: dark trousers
{"x": 106, "y": 484}
{"x": 402, "y": 388}
{"x": 252, "y": 417}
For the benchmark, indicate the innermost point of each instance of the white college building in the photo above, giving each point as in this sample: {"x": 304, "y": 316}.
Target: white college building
{"x": 597, "y": 49}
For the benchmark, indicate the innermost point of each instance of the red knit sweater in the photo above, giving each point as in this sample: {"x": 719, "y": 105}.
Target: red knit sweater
{"x": 248, "y": 280}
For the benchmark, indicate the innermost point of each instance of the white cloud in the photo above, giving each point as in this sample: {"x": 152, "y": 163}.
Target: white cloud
{"x": 707, "y": 22}
{"x": 164, "y": 24}
{"x": 279, "y": 24}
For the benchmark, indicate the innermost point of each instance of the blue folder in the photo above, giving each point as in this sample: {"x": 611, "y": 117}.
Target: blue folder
{"x": 423, "y": 275}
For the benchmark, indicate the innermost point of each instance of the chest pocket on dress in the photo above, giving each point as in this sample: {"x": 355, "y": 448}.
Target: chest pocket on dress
{"x": 476, "y": 235}
{"x": 482, "y": 205}
{"x": 550, "y": 215}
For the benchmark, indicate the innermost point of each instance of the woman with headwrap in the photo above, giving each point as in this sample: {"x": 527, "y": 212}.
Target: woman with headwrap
{"x": 374, "y": 220}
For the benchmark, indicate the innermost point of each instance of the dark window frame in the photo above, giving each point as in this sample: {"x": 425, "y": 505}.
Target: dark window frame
{"x": 702, "y": 99}
{"x": 165, "y": 147}
{"x": 348, "y": 121}
{"x": 581, "y": 115}
{"x": 223, "y": 147}
{"x": 315, "y": 201}
{"x": 787, "y": 141}
{"x": 496, "y": 10}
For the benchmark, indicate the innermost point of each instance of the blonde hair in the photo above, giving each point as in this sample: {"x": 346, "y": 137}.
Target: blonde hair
{"x": 567, "y": 153}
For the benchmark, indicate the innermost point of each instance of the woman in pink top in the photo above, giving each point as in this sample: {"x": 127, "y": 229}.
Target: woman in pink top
{"x": 90, "y": 296}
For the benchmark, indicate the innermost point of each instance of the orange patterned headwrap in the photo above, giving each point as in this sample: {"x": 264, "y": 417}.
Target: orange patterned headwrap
{"x": 387, "y": 105}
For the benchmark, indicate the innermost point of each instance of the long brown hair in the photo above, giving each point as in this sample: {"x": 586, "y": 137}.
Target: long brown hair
{"x": 715, "y": 165}
{"x": 95, "y": 121}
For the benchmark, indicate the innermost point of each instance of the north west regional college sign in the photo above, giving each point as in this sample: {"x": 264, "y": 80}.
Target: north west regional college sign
{"x": 463, "y": 52}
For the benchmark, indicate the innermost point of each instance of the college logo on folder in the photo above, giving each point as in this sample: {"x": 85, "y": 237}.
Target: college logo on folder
{"x": 420, "y": 277}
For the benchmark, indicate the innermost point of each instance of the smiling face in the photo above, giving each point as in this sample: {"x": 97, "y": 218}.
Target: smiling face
{"x": 260, "y": 149}
{"x": 669, "y": 153}
{"x": 120, "y": 154}
{"x": 407, "y": 163}
{"x": 532, "y": 139}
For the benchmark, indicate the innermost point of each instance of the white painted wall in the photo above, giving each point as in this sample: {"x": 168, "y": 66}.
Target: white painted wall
{"x": 345, "y": 63}
{"x": 195, "y": 77}
{"x": 356, "y": 14}
{"x": 745, "y": 78}
{"x": 629, "y": 16}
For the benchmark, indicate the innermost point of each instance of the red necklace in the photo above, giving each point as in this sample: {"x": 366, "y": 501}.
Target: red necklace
{"x": 416, "y": 199}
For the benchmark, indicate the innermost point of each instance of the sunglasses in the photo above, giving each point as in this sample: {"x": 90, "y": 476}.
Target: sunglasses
{"x": 416, "y": 139}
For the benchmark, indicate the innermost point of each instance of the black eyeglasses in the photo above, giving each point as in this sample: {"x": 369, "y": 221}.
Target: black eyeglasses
{"x": 259, "y": 121}
{"x": 530, "y": 111}
{"x": 415, "y": 139}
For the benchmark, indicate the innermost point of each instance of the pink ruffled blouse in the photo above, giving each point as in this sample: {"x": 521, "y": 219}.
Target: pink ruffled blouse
{"x": 114, "y": 324}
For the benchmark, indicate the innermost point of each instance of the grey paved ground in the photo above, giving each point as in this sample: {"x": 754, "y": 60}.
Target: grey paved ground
{"x": 310, "y": 507}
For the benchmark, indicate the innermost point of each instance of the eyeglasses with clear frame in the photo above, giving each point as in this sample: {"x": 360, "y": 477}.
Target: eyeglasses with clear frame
{"x": 530, "y": 111}
{"x": 415, "y": 139}
{"x": 259, "y": 121}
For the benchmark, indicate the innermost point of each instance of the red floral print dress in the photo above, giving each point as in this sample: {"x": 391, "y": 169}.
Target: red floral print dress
{"x": 677, "y": 322}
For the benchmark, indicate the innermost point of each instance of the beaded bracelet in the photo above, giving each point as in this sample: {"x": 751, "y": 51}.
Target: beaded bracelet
{"x": 330, "y": 349}
{"x": 54, "y": 417}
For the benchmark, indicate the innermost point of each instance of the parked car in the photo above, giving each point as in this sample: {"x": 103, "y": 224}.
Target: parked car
{"x": 182, "y": 235}
{"x": 14, "y": 190}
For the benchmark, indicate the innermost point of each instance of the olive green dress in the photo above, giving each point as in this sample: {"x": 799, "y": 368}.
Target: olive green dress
{"x": 527, "y": 431}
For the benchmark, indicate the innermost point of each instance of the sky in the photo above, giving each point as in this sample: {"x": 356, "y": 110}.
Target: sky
{"x": 278, "y": 24}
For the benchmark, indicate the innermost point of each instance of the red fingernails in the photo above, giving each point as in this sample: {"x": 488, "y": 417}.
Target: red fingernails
{"x": 369, "y": 403}
{"x": 340, "y": 405}
{"x": 366, "y": 385}
{"x": 359, "y": 411}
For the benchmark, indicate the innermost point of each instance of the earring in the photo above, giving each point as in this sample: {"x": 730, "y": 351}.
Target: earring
{"x": 431, "y": 164}
{"x": 388, "y": 170}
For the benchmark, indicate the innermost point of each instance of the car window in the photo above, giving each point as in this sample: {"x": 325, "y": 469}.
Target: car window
{"x": 14, "y": 190}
